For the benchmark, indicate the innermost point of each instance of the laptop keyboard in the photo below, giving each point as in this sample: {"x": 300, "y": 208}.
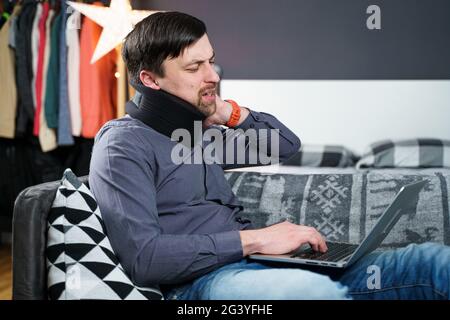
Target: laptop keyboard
{"x": 336, "y": 251}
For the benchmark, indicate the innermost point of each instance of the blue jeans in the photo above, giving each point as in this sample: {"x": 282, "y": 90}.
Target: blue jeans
{"x": 414, "y": 272}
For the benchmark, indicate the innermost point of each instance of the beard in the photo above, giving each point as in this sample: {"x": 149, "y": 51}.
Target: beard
{"x": 205, "y": 104}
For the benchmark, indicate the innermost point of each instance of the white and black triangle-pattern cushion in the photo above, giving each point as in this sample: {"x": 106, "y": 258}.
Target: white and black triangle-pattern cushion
{"x": 80, "y": 261}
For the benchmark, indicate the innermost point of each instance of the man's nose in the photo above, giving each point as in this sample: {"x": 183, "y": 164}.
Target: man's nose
{"x": 212, "y": 75}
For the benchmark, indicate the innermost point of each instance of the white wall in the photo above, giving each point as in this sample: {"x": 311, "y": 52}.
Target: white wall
{"x": 353, "y": 113}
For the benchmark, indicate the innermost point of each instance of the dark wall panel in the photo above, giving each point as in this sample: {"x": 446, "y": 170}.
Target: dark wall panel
{"x": 323, "y": 39}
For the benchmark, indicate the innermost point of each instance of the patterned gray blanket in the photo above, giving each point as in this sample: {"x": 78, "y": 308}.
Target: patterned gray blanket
{"x": 344, "y": 207}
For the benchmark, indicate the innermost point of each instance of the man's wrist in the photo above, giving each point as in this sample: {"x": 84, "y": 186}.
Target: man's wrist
{"x": 227, "y": 112}
{"x": 250, "y": 242}
{"x": 232, "y": 112}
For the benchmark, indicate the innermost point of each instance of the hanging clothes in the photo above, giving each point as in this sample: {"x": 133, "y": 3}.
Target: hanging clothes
{"x": 65, "y": 137}
{"x": 73, "y": 70}
{"x": 13, "y": 26}
{"x": 40, "y": 66}
{"x": 47, "y": 136}
{"x": 24, "y": 70}
{"x": 29, "y": 160}
{"x": 8, "y": 90}
{"x": 52, "y": 83}
{"x": 98, "y": 86}
{"x": 35, "y": 49}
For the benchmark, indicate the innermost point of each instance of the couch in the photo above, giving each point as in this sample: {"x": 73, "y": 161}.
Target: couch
{"x": 343, "y": 205}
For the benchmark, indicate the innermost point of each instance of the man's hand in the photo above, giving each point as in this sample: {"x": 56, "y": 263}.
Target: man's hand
{"x": 281, "y": 238}
{"x": 223, "y": 113}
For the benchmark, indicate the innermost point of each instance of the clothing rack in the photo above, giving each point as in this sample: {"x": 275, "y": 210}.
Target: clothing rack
{"x": 24, "y": 160}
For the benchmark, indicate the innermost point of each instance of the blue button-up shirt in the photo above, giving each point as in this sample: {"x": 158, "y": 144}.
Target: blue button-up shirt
{"x": 169, "y": 223}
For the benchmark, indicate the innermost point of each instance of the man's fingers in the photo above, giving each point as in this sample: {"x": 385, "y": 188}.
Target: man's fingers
{"x": 323, "y": 246}
{"x": 314, "y": 238}
{"x": 314, "y": 243}
{"x": 317, "y": 242}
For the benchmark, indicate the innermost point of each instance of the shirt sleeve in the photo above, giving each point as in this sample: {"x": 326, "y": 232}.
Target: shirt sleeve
{"x": 122, "y": 179}
{"x": 261, "y": 139}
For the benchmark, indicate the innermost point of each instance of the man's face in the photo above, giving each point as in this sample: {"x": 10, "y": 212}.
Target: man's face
{"x": 191, "y": 76}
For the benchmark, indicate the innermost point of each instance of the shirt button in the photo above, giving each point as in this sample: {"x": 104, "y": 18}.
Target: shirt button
{"x": 252, "y": 125}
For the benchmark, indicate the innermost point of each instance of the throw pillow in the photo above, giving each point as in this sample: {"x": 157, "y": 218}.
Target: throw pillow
{"x": 411, "y": 153}
{"x": 81, "y": 263}
{"x": 322, "y": 156}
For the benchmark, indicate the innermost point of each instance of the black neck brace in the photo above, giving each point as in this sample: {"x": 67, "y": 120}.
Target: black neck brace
{"x": 163, "y": 111}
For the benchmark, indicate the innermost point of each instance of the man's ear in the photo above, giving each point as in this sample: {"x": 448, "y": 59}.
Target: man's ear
{"x": 149, "y": 80}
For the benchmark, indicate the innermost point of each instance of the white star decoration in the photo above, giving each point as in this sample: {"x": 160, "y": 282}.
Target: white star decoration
{"x": 117, "y": 21}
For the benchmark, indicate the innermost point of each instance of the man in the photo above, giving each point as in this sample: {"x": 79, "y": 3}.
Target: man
{"x": 178, "y": 224}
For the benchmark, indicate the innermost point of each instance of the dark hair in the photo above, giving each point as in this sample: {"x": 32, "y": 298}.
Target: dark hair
{"x": 159, "y": 36}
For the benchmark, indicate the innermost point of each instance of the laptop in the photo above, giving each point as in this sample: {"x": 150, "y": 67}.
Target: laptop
{"x": 342, "y": 255}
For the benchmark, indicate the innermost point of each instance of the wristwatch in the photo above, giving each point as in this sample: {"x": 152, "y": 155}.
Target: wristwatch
{"x": 235, "y": 114}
